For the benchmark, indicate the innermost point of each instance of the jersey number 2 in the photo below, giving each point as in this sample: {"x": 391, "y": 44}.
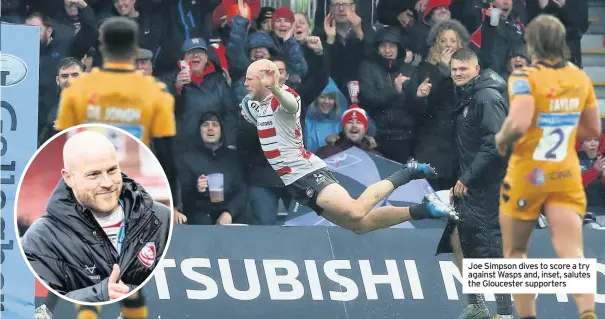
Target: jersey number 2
{"x": 553, "y": 144}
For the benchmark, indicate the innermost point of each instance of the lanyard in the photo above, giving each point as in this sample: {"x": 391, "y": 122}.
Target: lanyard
{"x": 121, "y": 231}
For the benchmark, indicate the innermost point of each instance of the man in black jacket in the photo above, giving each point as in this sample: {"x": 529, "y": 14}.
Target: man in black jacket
{"x": 207, "y": 155}
{"x": 383, "y": 93}
{"x": 480, "y": 112}
{"x": 67, "y": 70}
{"x": 102, "y": 234}
{"x": 201, "y": 87}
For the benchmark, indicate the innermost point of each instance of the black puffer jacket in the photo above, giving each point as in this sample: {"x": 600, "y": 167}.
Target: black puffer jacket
{"x": 480, "y": 113}
{"x": 434, "y": 142}
{"x": 200, "y": 160}
{"x": 391, "y": 110}
{"x": 67, "y": 248}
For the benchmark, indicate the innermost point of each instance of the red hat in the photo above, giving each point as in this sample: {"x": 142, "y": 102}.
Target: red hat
{"x": 432, "y": 4}
{"x": 282, "y": 12}
{"x": 227, "y": 8}
{"x": 354, "y": 112}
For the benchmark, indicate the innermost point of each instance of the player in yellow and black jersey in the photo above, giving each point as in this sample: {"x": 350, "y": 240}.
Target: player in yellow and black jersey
{"x": 552, "y": 103}
{"x": 119, "y": 95}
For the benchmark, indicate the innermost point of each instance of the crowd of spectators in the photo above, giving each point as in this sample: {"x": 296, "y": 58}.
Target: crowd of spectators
{"x": 357, "y": 66}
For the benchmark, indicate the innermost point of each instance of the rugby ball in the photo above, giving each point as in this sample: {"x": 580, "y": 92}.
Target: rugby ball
{"x": 250, "y": 109}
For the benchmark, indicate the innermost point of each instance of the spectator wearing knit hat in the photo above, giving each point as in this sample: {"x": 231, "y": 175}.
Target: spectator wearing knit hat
{"x": 517, "y": 59}
{"x": 244, "y": 48}
{"x": 354, "y": 124}
{"x": 264, "y": 22}
{"x": 283, "y": 34}
{"x": 436, "y": 10}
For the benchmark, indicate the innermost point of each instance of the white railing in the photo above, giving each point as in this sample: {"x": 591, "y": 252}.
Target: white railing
{"x": 305, "y": 6}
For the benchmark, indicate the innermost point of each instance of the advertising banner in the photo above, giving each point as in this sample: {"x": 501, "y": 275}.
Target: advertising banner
{"x": 19, "y": 59}
{"x": 323, "y": 272}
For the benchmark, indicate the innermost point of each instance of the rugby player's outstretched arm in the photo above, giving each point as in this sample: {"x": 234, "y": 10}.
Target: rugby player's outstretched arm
{"x": 288, "y": 99}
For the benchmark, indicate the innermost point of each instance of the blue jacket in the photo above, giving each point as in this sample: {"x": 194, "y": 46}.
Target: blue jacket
{"x": 318, "y": 126}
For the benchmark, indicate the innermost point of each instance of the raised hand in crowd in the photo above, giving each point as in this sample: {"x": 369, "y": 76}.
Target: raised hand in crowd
{"x": 224, "y": 21}
{"x": 243, "y": 8}
{"x": 543, "y": 3}
{"x": 446, "y": 56}
{"x": 314, "y": 43}
{"x": 421, "y": 5}
{"x": 399, "y": 80}
{"x": 599, "y": 165}
{"x": 355, "y": 23}
{"x": 116, "y": 289}
{"x": 289, "y": 34}
{"x": 330, "y": 28}
{"x": 406, "y": 18}
{"x": 424, "y": 88}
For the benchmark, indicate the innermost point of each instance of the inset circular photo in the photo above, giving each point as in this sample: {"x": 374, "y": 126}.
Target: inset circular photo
{"x": 94, "y": 214}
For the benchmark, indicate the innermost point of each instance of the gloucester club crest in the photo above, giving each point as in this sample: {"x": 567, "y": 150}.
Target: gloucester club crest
{"x": 147, "y": 254}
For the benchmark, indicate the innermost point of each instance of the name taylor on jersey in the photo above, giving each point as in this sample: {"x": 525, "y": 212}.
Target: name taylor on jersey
{"x": 564, "y": 104}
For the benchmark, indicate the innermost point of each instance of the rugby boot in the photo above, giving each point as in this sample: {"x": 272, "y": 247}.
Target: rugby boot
{"x": 475, "y": 312}
{"x": 433, "y": 208}
{"x": 411, "y": 171}
{"x": 439, "y": 209}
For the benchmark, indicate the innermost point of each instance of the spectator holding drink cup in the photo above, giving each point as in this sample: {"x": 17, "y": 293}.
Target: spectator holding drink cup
{"x": 212, "y": 178}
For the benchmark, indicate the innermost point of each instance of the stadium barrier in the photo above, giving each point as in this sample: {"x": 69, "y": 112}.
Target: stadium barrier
{"x": 19, "y": 78}
{"x": 322, "y": 272}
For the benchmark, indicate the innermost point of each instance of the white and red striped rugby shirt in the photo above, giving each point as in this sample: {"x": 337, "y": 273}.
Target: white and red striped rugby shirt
{"x": 281, "y": 139}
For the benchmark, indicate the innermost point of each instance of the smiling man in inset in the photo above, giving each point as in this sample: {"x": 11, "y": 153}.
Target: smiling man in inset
{"x": 102, "y": 234}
